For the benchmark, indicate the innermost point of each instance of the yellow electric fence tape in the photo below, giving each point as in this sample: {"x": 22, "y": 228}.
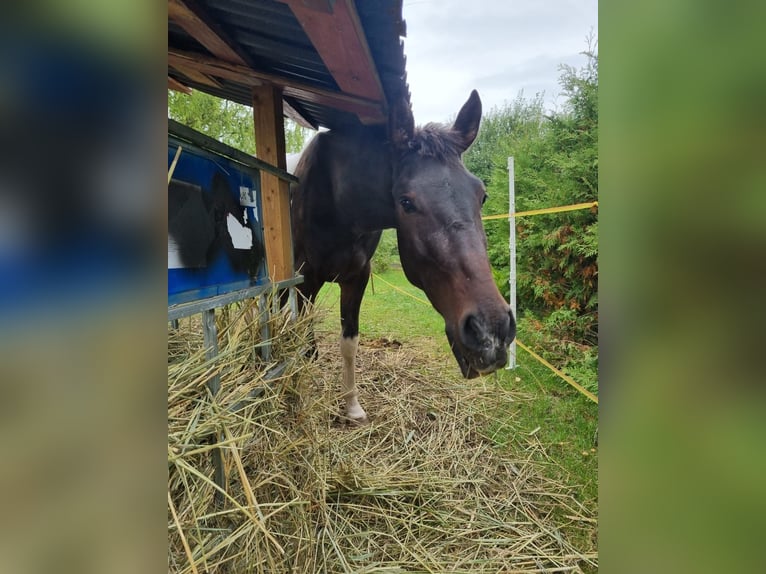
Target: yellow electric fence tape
{"x": 566, "y": 378}
{"x": 395, "y": 288}
{"x": 572, "y": 207}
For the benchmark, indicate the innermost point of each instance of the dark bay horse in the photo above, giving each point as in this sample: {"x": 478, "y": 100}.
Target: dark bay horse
{"x": 355, "y": 184}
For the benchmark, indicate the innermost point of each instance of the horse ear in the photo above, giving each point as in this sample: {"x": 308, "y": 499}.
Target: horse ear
{"x": 466, "y": 126}
{"x": 401, "y": 123}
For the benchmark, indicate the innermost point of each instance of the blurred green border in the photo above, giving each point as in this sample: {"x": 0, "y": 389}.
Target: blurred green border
{"x": 682, "y": 205}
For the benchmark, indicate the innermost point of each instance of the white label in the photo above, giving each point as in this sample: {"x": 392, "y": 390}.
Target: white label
{"x": 247, "y": 196}
{"x": 241, "y": 236}
{"x": 174, "y": 256}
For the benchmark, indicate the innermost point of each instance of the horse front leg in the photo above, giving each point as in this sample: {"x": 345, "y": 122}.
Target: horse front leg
{"x": 307, "y": 292}
{"x": 351, "y": 293}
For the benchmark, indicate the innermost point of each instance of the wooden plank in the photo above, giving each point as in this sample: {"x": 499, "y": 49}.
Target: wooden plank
{"x": 368, "y": 111}
{"x": 194, "y": 307}
{"x": 206, "y": 142}
{"x": 340, "y": 40}
{"x": 319, "y": 5}
{"x": 299, "y": 118}
{"x": 174, "y": 84}
{"x": 199, "y": 25}
{"x": 196, "y": 76}
{"x": 275, "y": 193}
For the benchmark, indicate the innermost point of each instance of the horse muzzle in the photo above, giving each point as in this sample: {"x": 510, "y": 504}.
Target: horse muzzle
{"x": 481, "y": 344}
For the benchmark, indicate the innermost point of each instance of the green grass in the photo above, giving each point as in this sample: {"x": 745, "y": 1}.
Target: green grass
{"x": 387, "y": 312}
{"x": 549, "y": 410}
{"x": 567, "y": 423}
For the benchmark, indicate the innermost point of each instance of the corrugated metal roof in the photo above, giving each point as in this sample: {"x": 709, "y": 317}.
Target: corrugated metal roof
{"x": 265, "y": 39}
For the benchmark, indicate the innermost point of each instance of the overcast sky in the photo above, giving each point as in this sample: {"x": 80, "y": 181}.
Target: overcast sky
{"x": 498, "y": 47}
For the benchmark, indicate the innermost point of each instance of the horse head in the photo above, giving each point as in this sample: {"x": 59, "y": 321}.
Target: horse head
{"x": 442, "y": 245}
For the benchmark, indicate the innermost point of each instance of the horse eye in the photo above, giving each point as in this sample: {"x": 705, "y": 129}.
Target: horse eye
{"x": 484, "y": 199}
{"x": 407, "y": 204}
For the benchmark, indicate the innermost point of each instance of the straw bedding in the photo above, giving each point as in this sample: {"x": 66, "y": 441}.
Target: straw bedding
{"x": 422, "y": 488}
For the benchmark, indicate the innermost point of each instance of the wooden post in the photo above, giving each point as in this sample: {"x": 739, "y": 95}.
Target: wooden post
{"x": 210, "y": 340}
{"x": 275, "y": 193}
{"x": 263, "y": 320}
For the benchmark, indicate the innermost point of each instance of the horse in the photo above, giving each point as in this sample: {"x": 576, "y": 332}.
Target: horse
{"x": 354, "y": 183}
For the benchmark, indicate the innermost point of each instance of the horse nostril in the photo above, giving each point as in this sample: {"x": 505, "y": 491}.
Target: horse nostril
{"x": 473, "y": 334}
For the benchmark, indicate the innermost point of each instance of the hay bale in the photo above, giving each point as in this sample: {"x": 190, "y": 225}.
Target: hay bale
{"x": 423, "y": 488}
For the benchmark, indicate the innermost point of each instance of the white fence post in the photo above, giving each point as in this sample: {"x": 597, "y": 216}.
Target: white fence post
{"x": 512, "y": 255}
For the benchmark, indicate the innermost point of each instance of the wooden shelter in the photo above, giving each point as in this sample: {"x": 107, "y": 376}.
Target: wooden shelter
{"x": 321, "y": 63}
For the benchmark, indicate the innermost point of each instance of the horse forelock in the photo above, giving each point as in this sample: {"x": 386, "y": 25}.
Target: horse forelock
{"x": 437, "y": 141}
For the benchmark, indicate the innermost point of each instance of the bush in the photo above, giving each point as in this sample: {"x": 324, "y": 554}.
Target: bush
{"x": 387, "y": 253}
{"x": 578, "y": 360}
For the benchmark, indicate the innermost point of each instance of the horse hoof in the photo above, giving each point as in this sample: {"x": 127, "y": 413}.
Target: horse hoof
{"x": 349, "y": 422}
{"x": 355, "y": 423}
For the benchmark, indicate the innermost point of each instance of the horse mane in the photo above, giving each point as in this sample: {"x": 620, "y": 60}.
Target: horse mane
{"x": 437, "y": 141}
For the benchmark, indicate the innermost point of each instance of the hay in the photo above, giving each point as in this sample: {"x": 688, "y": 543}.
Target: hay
{"x": 423, "y": 488}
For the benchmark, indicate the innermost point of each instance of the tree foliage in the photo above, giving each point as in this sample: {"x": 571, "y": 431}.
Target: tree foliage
{"x": 226, "y": 121}
{"x": 387, "y": 253}
{"x": 556, "y": 163}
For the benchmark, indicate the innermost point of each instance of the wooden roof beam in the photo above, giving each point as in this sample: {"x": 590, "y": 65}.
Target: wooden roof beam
{"x": 174, "y": 84}
{"x": 368, "y": 111}
{"x": 192, "y": 17}
{"x": 196, "y": 76}
{"x": 299, "y": 118}
{"x": 337, "y": 34}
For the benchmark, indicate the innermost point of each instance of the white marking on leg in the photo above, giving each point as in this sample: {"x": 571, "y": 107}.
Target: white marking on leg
{"x": 348, "y": 347}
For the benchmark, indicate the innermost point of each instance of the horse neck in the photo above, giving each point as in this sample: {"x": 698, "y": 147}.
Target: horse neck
{"x": 364, "y": 180}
